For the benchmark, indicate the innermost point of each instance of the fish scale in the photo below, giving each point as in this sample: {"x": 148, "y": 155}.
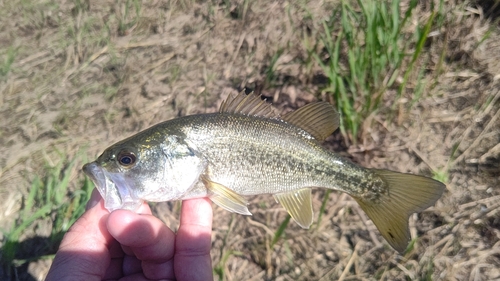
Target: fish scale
{"x": 245, "y": 149}
{"x": 258, "y": 160}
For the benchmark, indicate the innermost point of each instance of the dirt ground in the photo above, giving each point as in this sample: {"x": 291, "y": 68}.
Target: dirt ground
{"x": 87, "y": 74}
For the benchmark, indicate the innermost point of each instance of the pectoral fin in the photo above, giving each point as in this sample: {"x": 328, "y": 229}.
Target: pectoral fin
{"x": 298, "y": 204}
{"x": 226, "y": 198}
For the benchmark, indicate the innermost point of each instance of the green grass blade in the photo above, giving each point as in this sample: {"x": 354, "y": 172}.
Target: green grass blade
{"x": 418, "y": 50}
{"x": 323, "y": 206}
{"x": 280, "y": 230}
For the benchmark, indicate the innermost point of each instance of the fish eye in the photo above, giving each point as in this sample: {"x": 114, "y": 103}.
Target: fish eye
{"x": 126, "y": 158}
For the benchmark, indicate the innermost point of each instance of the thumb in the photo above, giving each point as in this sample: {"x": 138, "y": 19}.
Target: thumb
{"x": 83, "y": 253}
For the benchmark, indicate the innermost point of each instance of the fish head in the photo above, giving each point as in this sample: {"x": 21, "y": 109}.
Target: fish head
{"x": 117, "y": 174}
{"x": 138, "y": 169}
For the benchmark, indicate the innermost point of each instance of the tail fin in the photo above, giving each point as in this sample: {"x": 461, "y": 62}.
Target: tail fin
{"x": 407, "y": 194}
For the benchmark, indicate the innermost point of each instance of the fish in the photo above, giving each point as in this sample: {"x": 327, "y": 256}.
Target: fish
{"x": 246, "y": 149}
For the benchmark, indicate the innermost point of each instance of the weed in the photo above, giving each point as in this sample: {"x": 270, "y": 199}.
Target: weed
{"x": 219, "y": 268}
{"x": 271, "y": 76}
{"x": 126, "y": 22}
{"x": 49, "y": 200}
{"x": 238, "y": 11}
{"x": 441, "y": 175}
{"x": 323, "y": 206}
{"x": 364, "y": 55}
{"x": 422, "y": 34}
{"x": 8, "y": 60}
{"x": 280, "y": 230}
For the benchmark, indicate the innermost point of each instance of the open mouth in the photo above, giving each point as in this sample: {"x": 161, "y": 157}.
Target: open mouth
{"x": 113, "y": 188}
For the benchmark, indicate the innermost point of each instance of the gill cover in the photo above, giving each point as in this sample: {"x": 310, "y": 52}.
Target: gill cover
{"x": 114, "y": 189}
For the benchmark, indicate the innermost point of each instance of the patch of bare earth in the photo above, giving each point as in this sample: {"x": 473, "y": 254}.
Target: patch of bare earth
{"x": 81, "y": 82}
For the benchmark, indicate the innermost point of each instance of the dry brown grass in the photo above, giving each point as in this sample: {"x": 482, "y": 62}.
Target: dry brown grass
{"x": 85, "y": 76}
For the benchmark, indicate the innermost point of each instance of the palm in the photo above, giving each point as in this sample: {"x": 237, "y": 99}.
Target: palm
{"x": 126, "y": 246}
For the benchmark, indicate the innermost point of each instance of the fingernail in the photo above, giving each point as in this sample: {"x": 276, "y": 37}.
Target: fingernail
{"x": 144, "y": 209}
{"x": 94, "y": 199}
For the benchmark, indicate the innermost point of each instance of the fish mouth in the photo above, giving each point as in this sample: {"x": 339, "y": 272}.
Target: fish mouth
{"x": 113, "y": 187}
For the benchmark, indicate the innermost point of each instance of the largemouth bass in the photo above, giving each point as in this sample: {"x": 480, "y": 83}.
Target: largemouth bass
{"x": 245, "y": 149}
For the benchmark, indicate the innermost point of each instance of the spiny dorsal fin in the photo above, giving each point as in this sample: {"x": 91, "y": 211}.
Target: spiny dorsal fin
{"x": 250, "y": 104}
{"x": 298, "y": 203}
{"x": 406, "y": 194}
{"x": 319, "y": 119}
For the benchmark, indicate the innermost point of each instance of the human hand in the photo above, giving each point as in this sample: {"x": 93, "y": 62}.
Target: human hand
{"x": 124, "y": 245}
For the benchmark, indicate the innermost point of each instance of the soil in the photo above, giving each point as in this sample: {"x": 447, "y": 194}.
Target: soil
{"x": 80, "y": 82}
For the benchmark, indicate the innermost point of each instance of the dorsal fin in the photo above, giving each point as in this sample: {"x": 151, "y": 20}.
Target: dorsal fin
{"x": 250, "y": 104}
{"x": 319, "y": 119}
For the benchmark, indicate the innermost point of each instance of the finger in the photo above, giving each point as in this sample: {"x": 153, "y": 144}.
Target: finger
{"x": 148, "y": 239}
{"x": 139, "y": 277}
{"x": 95, "y": 198}
{"x": 144, "y": 209}
{"x": 194, "y": 240}
{"x": 126, "y": 258}
{"x": 83, "y": 253}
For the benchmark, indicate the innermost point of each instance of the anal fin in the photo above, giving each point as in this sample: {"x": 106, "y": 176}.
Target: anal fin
{"x": 298, "y": 204}
{"x": 226, "y": 198}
